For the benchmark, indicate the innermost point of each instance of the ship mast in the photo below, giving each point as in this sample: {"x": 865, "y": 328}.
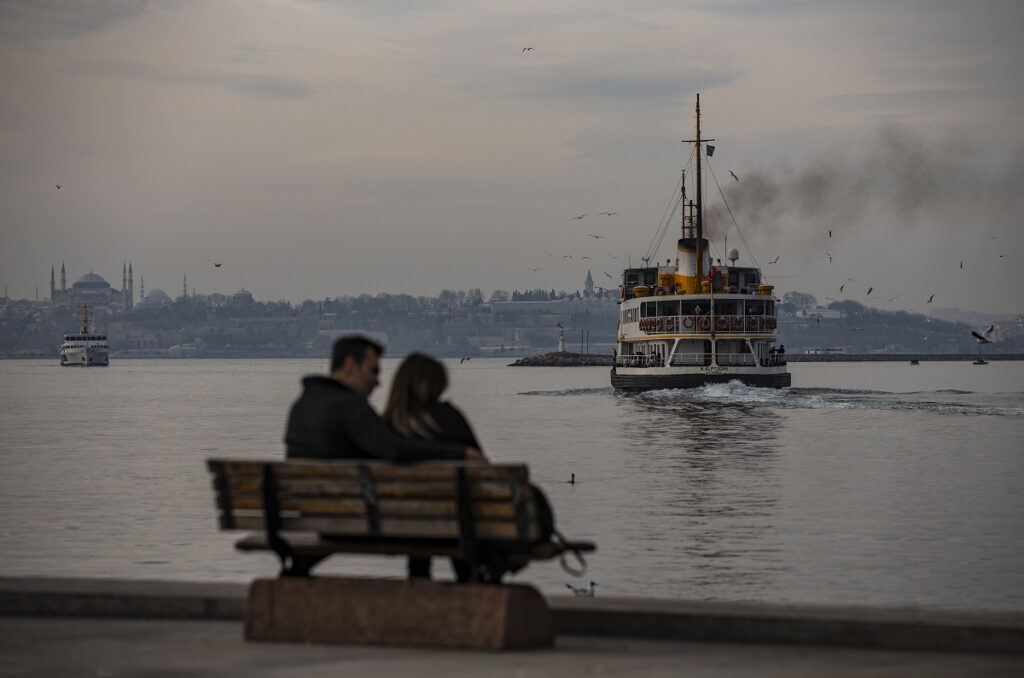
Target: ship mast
{"x": 700, "y": 210}
{"x": 700, "y": 204}
{"x": 85, "y": 319}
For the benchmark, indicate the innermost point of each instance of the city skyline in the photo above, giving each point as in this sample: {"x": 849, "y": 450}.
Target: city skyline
{"x": 317, "y": 149}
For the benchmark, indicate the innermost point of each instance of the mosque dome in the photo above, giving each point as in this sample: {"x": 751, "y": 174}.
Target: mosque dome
{"x": 91, "y": 281}
{"x": 157, "y": 296}
{"x": 242, "y": 296}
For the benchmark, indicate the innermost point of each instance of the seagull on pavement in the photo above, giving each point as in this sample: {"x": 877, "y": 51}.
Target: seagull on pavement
{"x": 582, "y": 591}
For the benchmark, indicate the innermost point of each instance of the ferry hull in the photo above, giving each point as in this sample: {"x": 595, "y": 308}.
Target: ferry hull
{"x": 650, "y": 382}
{"x": 85, "y": 359}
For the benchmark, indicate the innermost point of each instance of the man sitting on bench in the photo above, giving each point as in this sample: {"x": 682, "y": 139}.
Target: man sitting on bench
{"x": 334, "y": 419}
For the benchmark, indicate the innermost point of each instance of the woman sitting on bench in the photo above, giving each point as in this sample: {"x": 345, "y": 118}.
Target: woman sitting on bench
{"x": 415, "y": 410}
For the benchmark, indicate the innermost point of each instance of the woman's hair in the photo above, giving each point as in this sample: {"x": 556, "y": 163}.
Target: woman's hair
{"x": 415, "y": 388}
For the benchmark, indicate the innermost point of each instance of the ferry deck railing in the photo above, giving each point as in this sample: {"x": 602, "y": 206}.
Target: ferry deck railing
{"x": 721, "y": 324}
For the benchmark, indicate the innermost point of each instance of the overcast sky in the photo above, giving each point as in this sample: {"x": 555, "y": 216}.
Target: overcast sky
{"x": 322, "y": 148}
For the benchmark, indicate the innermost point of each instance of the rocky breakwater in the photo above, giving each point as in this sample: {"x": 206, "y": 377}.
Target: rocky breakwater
{"x": 564, "y": 359}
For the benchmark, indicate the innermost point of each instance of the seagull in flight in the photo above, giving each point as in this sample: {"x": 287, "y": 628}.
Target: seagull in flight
{"x": 579, "y": 217}
{"x": 841, "y": 288}
{"x": 595, "y": 236}
{"x": 566, "y": 256}
{"x": 830, "y": 232}
{"x": 869, "y": 291}
{"x": 609, "y": 214}
{"x": 216, "y": 264}
{"x": 582, "y": 258}
{"x": 734, "y": 175}
{"x": 961, "y": 263}
{"x": 527, "y": 49}
{"x": 829, "y": 257}
{"x": 612, "y": 256}
{"x": 894, "y": 298}
{"x": 773, "y": 260}
{"x": 58, "y": 186}
{"x": 464, "y": 360}
{"x": 930, "y": 299}
{"x": 608, "y": 274}
{"x": 983, "y": 338}
{"x": 534, "y": 268}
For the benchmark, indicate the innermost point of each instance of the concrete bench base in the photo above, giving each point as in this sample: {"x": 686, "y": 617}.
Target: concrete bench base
{"x": 421, "y": 613}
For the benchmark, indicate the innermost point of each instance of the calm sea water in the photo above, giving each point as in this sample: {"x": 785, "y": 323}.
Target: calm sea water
{"x": 869, "y": 483}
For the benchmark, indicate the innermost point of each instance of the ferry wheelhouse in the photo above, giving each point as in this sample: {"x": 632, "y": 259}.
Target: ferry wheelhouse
{"x": 85, "y": 349}
{"x": 695, "y": 323}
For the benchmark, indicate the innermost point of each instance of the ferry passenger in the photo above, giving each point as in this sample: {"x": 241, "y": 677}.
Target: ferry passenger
{"x": 415, "y": 410}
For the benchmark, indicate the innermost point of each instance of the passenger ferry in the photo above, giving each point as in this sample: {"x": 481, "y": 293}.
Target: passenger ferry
{"x": 696, "y": 323}
{"x": 85, "y": 349}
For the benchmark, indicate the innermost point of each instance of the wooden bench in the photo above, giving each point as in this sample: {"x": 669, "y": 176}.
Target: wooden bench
{"x": 490, "y": 516}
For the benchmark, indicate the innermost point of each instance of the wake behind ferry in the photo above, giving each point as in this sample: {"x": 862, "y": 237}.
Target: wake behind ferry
{"x": 696, "y": 323}
{"x": 85, "y": 349}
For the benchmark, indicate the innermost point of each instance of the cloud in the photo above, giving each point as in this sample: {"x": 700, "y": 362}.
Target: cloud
{"x": 61, "y": 19}
{"x": 255, "y": 85}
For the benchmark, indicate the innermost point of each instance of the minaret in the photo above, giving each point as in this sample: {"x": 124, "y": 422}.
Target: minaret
{"x": 63, "y": 278}
{"x": 184, "y": 285}
{"x": 588, "y": 286}
{"x": 131, "y": 287}
{"x": 53, "y": 287}
{"x": 124, "y": 286}
{"x": 142, "y": 288}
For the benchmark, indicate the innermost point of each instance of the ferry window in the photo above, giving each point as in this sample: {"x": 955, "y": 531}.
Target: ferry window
{"x": 769, "y": 308}
{"x": 668, "y": 308}
{"x": 755, "y": 308}
{"x": 647, "y": 309}
{"x": 689, "y": 308}
{"x": 725, "y": 307}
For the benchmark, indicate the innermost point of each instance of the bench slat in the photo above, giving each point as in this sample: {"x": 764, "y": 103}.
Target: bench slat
{"x": 389, "y": 527}
{"x": 383, "y": 489}
{"x": 357, "y": 507}
{"x": 379, "y": 470}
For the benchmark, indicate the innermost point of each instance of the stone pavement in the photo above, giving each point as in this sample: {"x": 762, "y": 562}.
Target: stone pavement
{"x": 56, "y": 647}
{"x": 83, "y": 627}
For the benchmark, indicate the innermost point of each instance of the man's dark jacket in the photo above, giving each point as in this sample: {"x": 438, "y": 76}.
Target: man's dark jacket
{"x": 329, "y": 421}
